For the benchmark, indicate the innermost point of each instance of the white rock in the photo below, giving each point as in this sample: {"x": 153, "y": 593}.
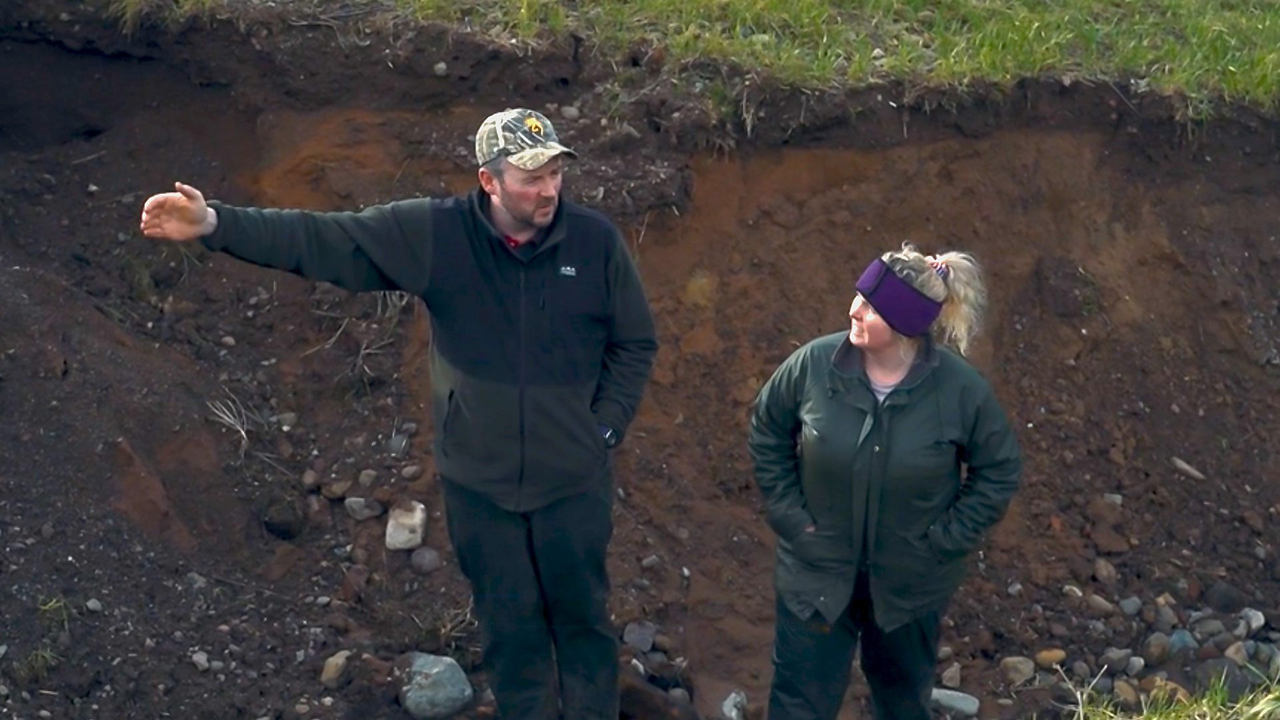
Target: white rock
{"x": 406, "y": 525}
{"x": 734, "y": 705}
{"x": 950, "y": 701}
{"x": 93, "y": 605}
{"x": 200, "y": 659}
{"x": 1254, "y": 618}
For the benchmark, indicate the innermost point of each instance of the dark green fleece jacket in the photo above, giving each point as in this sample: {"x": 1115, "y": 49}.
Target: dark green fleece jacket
{"x": 904, "y": 489}
{"x": 533, "y": 349}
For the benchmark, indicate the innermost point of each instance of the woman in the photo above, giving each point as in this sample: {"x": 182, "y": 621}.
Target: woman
{"x": 883, "y": 457}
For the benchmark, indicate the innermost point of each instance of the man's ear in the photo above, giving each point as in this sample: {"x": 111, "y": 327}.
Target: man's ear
{"x": 487, "y": 181}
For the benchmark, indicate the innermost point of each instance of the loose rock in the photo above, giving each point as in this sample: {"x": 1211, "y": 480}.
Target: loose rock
{"x": 1047, "y": 659}
{"x": 336, "y": 490}
{"x": 363, "y": 508}
{"x": 951, "y": 676}
{"x": 1100, "y": 605}
{"x": 1182, "y": 641}
{"x": 1237, "y": 654}
{"x": 1017, "y": 670}
{"x": 1225, "y": 598}
{"x": 734, "y": 706}
{"x": 406, "y": 525}
{"x": 639, "y": 635}
{"x": 1125, "y": 693}
{"x": 436, "y": 687}
{"x": 1156, "y": 648}
{"x": 950, "y": 701}
{"x": 1253, "y": 619}
{"x": 1115, "y": 659}
{"x": 1105, "y": 572}
{"x": 426, "y": 560}
{"x": 1208, "y": 628}
{"x": 334, "y": 674}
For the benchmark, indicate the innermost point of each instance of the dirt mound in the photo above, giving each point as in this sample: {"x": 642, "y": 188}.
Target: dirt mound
{"x": 179, "y": 427}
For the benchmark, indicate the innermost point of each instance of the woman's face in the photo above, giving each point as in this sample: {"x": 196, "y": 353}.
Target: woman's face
{"x": 867, "y": 330}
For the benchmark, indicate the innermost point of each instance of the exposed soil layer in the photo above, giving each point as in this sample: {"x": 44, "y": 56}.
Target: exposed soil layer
{"x": 1132, "y": 259}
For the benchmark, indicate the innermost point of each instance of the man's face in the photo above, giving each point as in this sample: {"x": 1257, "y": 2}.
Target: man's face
{"x": 529, "y": 197}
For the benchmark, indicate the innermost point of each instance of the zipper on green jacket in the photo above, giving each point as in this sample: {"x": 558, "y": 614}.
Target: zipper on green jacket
{"x": 520, "y": 474}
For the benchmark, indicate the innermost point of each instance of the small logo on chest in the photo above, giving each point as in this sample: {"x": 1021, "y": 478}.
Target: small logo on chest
{"x": 568, "y": 271}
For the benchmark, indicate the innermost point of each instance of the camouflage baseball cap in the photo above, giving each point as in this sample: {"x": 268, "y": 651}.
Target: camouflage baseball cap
{"x": 525, "y": 137}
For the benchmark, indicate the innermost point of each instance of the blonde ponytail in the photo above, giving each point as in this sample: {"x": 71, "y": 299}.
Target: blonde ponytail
{"x": 951, "y": 278}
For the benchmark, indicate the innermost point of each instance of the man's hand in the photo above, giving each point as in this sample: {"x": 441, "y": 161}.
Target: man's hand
{"x": 181, "y": 216}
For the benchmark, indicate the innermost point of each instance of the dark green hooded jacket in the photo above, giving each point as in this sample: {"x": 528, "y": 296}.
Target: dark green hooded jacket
{"x": 905, "y": 488}
{"x": 532, "y": 349}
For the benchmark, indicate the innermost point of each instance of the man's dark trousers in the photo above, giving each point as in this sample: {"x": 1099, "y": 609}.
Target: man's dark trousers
{"x": 812, "y": 660}
{"x": 540, "y": 588}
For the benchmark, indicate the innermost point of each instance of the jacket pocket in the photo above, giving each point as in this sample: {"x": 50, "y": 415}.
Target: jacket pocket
{"x": 821, "y": 550}
{"x": 935, "y": 538}
{"x": 563, "y": 436}
{"x": 478, "y": 433}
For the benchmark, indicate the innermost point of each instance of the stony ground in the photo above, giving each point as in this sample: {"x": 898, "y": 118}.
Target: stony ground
{"x": 157, "y": 562}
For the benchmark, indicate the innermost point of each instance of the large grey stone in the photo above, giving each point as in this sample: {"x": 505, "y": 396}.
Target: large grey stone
{"x": 435, "y": 687}
{"x": 640, "y": 635}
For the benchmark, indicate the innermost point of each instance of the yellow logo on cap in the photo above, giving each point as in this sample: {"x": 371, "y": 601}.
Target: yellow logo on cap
{"x": 532, "y": 124}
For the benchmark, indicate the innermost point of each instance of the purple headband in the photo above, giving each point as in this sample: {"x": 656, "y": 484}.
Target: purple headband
{"x": 907, "y": 310}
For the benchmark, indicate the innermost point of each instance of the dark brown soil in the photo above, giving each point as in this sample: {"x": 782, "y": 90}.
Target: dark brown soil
{"x": 1132, "y": 258}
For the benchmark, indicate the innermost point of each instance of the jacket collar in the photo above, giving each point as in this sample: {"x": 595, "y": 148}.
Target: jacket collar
{"x": 847, "y": 378}
{"x": 478, "y": 203}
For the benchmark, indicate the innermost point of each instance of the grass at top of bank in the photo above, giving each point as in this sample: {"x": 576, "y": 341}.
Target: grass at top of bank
{"x": 1207, "y": 52}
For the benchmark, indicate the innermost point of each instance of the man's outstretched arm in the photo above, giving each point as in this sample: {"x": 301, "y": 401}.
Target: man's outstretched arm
{"x": 368, "y": 250}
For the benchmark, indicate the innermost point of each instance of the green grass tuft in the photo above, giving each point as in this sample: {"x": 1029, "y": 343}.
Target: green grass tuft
{"x": 1263, "y": 703}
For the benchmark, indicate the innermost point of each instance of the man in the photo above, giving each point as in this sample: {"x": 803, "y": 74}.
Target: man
{"x": 542, "y": 342}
